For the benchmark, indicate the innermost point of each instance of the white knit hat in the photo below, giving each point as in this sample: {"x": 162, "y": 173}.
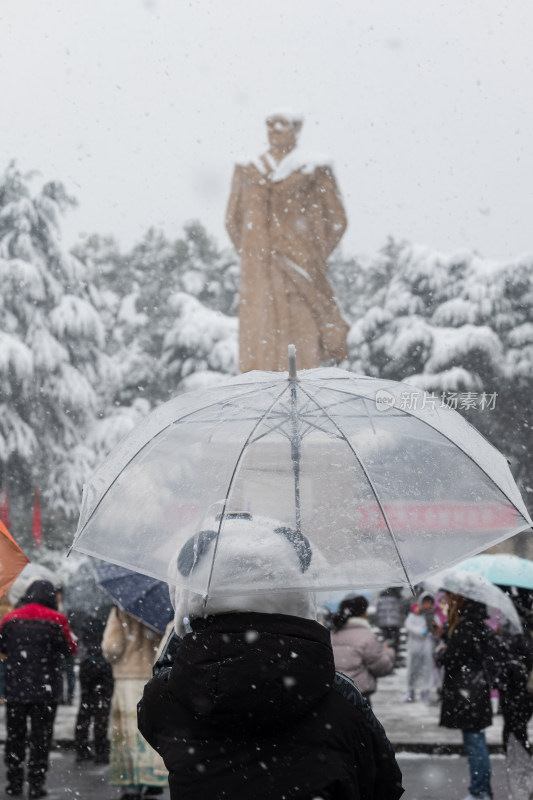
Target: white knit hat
{"x": 251, "y": 552}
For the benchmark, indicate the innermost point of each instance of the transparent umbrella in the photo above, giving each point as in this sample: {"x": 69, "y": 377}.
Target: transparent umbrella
{"x": 31, "y": 572}
{"x": 478, "y": 588}
{"x": 387, "y": 487}
{"x": 83, "y": 599}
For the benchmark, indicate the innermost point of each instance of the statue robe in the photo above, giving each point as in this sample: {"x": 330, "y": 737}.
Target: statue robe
{"x": 284, "y": 221}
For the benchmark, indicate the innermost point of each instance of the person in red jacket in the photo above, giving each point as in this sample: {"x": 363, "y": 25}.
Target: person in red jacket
{"x": 34, "y": 638}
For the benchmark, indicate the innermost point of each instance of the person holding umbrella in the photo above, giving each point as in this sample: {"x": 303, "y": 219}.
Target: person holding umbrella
{"x": 471, "y": 655}
{"x": 130, "y": 647}
{"x": 252, "y": 706}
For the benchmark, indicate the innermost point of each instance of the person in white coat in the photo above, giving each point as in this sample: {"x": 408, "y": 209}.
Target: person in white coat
{"x": 420, "y": 648}
{"x": 357, "y": 651}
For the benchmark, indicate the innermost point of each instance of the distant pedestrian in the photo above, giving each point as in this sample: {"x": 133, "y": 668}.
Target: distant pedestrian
{"x": 5, "y": 607}
{"x": 130, "y": 647}
{"x": 34, "y": 637}
{"x": 67, "y": 681}
{"x": 420, "y": 649}
{"x": 390, "y": 617}
{"x": 472, "y": 656}
{"x": 356, "y": 650}
{"x": 96, "y": 686}
{"x": 515, "y": 698}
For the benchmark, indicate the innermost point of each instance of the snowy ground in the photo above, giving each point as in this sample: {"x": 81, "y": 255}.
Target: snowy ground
{"x": 412, "y": 724}
{"x": 425, "y": 777}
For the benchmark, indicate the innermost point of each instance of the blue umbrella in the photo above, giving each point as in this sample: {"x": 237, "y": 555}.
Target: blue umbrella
{"x": 147, "y": 599}
{"x": 502, "y": 569}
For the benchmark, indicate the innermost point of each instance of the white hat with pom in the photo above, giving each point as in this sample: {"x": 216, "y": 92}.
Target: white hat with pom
{"x": 234, "y": 566}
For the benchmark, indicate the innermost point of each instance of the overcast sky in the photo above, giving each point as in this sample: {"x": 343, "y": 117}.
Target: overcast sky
{"x": 141, "y": 108}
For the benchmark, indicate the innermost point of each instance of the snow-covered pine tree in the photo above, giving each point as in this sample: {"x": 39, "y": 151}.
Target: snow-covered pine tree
{"x": 456, "y": 325}
{"x": 51, "y": 340}
{"x": 200, "y": 346}
{"x": 170, "y": 316}
{"x": 161, "y": 303}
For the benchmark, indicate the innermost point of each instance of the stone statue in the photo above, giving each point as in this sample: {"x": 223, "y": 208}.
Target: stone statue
{"x": 285, "y": 217}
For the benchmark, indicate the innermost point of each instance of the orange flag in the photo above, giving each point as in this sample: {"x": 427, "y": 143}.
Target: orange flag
{"x": 37, "y": 529}
{"x": 12, "y": 560}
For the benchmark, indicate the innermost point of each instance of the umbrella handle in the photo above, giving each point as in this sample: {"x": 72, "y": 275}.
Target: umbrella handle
{"x": 292, "y": 362}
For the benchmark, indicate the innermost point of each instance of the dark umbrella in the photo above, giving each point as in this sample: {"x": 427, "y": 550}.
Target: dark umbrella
{"x": 147, "y": 599}
{"x": 83, "y": 598}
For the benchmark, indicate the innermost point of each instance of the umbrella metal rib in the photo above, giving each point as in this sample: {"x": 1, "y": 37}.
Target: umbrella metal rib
{"x": 295, "y": 455}
{"x": 231, "y": 481}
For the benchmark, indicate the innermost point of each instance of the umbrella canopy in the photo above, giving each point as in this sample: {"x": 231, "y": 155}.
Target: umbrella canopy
{"x": 144, "y": 598}
{"x": 385, "y": 486}
{"x": 31, "y": 572}
{"x": 501, "y": 568}
{"x": 12, "y": 560}
{"x": 478, "y": 588}
{"x": 83, "y": 599}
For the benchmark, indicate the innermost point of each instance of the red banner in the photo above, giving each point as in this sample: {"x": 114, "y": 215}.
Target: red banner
{"x": 4, "y": 509}
{"x": 37, "y": 529}
{"x": 438, "y": 517}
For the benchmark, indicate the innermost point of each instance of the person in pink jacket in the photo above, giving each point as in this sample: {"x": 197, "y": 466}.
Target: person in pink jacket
{"x": 356, "y": 649}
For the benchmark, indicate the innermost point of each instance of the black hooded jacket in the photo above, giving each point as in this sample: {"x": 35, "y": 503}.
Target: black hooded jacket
{"x": 253, "y": 708}
{"x": 35, "y": 637}
{"x": 473, "y": 660}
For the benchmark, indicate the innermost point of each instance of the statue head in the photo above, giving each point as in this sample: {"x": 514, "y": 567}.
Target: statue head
{"x": 283, "y": 128}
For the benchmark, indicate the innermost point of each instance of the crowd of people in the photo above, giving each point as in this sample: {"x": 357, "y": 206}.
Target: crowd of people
{"x": 241, "y": 696}
{"x": 460, "y": 657}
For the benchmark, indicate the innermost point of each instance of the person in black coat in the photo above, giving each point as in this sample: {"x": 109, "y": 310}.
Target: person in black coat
{"x": 35, "y": 639}
{"x": 472, "y": 657}
{"x": 516, "y": 700}
{"x": 391, "y": 612}
{"x": 252, "y": 706}
{"x": 96, "y": 685}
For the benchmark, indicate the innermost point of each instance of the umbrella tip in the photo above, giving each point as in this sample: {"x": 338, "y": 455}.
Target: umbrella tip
{"x": 292, "y": 363}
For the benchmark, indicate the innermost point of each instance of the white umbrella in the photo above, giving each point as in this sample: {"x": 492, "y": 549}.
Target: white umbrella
{"x": 475, "y": 587}
{"x": 32, "y": 572}
{"x": 386, "y": 487}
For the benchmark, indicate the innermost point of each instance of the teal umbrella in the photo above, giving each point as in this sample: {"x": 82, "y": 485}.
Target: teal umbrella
{"x": 502, "y": 569}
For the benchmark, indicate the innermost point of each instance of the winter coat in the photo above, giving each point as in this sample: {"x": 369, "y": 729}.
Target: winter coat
{"x": 419, "y": 639}
{"x": 129, "y": 646}
{"x": 515, "y": 675}
{"x": 285, "y": 220}
{"x": 389, "y": 611}
{"x": 359, "y": 654}
{"x": 472, "y": 660}
{"x": 35, "y": 639}
{"x": 253, "y": 708}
